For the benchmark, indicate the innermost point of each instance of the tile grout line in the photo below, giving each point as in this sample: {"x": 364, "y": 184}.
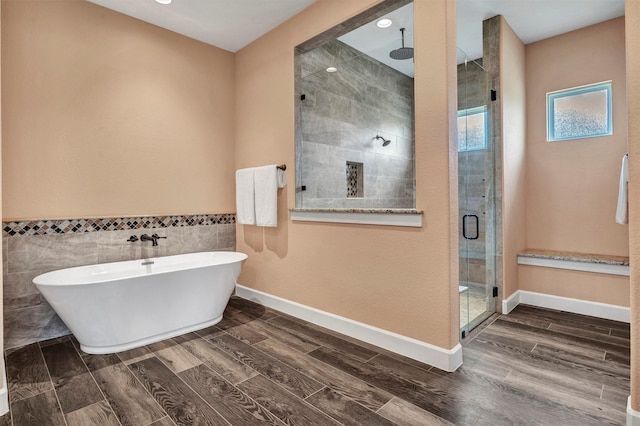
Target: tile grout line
{"x": 96, "y": 382}
{"x": 55, "y": 392}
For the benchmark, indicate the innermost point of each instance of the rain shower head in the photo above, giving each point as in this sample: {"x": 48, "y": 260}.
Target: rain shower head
{"x": 402, "y": 52}
{"x": 385, "y": 142}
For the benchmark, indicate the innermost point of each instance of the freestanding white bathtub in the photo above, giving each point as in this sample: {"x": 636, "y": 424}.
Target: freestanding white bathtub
{"x": 114, "y": 307}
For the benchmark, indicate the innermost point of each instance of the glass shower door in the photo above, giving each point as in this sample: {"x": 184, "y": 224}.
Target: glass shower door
{"x": 476, "y": 170}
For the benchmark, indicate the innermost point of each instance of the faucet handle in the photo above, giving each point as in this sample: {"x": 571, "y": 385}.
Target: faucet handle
{"x": 132, "y": 239}
{"x": 156, "y": 236}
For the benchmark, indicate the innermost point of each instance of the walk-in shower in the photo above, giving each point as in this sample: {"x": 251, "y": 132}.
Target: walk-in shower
{"x": 476, "y": 200}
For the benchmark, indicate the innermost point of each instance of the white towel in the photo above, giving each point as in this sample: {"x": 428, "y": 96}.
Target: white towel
{"x": 265, "y": 180}
{"x": 622, "y": 213}
{"x": 245, "y": 200}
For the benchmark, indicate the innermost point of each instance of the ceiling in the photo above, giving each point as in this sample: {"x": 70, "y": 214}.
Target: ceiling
{"x": 232, "y": 24}
{"x": 227, "y": 24}
{"x": 532, "y": 20}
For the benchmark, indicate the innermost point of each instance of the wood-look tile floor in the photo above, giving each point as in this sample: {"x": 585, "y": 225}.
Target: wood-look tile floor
{"x": 259, "y": 366}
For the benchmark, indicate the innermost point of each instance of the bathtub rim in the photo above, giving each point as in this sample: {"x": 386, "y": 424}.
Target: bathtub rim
{"x": 38, "y": 280}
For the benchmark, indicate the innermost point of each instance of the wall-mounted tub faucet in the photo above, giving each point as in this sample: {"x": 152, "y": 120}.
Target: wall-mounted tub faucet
{"x": 154, "y": 238}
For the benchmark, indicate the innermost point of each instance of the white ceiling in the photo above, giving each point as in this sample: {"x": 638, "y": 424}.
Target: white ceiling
{"x": 232, "y": 24}
{"x": 227, "y": 24}
{"x": 378, "y": 42}
{"x": 532, "y": 20}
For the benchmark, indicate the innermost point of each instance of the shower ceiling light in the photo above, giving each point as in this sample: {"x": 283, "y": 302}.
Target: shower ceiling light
{"x": 332, "y": 69}
{"x": 384, "y": 23}
{"x": 163, "y": 1}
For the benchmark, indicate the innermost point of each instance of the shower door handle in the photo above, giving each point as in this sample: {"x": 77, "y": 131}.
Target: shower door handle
{"x": 464, "y": 227}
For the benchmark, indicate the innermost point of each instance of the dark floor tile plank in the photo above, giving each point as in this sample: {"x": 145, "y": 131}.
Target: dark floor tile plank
{"x": 129, "y": 400}
{"x": 234, "y": 405}
{"x": 71, "y": 379}
{"x": 246, "y": 334}
{"x": 41, "y": 410}
{"x": 135, "y": 355}
{"x": 165, "y": 421}
{"x": 317, "y": 334}
{"x": 77, "y": 392}
{"x": 294, "y": 341}
{"x": 96, "y": 362}
{"x": 63, "y": 360}
{"x": 5, "y": 420}
{"x": 275, "y": 370}
{"x": 184, "y": 406}
{"x": 98, "y": 414}
{"x": 586, "y": 403}
{"x": 620, "y": 358}
{"x": 287, "y": 407}
{"x": 358, "y": 390}
{"x": 404, "y": 413}
{"x": 174, "y": 355}
{"x": 561, "y": 317}
{"x": 544, "y": 367}
{"x": 594, "y": 335}
{"x": 562, "y": 341}
{"x": 209, "y": 332}
{"x": 606, "y": 372}
{"x": 251, "y": 308}
{"x": 434, "y": 399}
{"x": 345, "y": 410}
{"x": 219, "y": 361}
{"x": 27, "y": 373}
{"x": 626, "y": 334}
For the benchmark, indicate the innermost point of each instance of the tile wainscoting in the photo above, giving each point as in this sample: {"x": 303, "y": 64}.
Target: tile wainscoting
{"x": 31, "y": 248}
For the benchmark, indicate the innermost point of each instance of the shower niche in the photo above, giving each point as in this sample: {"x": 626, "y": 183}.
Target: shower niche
{"x": 354, "y": 106}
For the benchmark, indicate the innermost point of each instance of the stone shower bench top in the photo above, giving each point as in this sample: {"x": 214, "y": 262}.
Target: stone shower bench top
{"x": 390, "y": 217}
{"x": 588, "y": 262}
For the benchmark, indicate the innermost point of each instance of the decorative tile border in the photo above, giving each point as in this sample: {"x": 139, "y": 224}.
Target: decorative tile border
{"x": 68, "y": 226}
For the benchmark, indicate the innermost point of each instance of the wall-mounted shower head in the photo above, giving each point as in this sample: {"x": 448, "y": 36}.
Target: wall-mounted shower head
{"x": 402, "y": 52}
{"x": 385, "y": 142}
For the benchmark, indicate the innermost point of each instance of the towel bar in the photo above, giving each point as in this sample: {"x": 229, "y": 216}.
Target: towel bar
{"x": 282, "y": 167}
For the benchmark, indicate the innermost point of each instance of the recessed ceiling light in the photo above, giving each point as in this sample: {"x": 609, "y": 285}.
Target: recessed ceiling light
{"x": 163, "y": 1}
{"x": 332, "y": 69}
{"x": 383, "y": 23}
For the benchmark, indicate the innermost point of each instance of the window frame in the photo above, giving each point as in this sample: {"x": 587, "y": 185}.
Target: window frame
{"x": 575, "y": 91}
{"x": 472, "y": 111}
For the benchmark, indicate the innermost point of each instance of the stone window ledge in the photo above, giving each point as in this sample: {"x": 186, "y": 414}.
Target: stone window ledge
{"x": 388, "y": 217}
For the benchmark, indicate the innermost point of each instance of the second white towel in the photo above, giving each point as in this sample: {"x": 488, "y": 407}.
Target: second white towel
{"x": 265, "y": 180}
{"x": 622, "y": 212}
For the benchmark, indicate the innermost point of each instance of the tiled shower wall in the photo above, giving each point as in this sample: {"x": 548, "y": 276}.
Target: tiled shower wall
{"x": 32, "y": 248}
{"x": 341, "y": 114}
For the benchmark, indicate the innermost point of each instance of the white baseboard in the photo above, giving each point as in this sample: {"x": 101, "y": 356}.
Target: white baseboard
{"x": 633, "y": 416}
{"x": 567, "y": 304}
{"x": 444, "y": 359}
{"x": 4, "y": 401}
{"x": 4, "y": 394}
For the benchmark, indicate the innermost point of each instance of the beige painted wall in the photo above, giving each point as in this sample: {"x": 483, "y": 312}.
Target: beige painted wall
{"x": 632, "y": 31}
{"x": 104, "y": 115}
{"x": 398, "y": 279}
{"x": 513, "y": 96}
{"x": 572, "y": 186}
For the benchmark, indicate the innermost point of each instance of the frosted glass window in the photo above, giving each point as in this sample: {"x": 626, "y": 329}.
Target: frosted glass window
{"x": 582, "y": 112}
{"x": 472, "y": 129}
